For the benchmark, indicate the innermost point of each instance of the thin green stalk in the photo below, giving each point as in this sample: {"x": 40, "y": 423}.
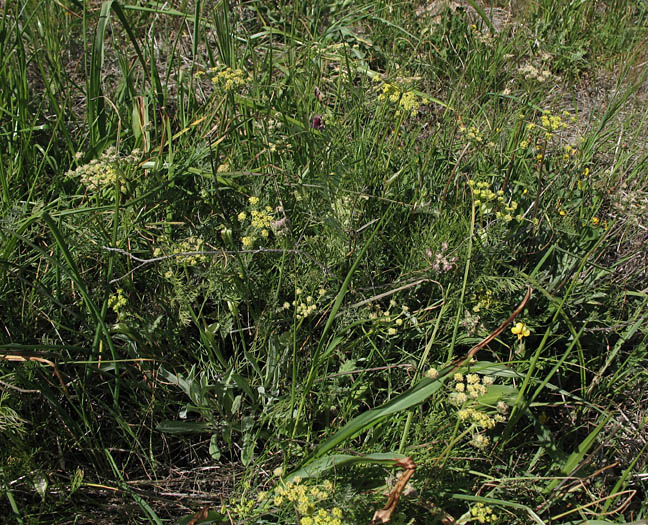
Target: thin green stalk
{"x": 455, "y": 329}
{"x": 10, "y": 497}
{"x": 520, "y": 405}
{"x": 417, "y": 376}
{"x": 74, "y": 274}
{"x": 329, "y": 323}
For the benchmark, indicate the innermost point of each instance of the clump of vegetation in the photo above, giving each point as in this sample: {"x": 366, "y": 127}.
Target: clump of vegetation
{"x": 323, "y": 263}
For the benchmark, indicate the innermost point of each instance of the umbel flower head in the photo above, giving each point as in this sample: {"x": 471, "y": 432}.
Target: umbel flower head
{"x": 521, "y": 330}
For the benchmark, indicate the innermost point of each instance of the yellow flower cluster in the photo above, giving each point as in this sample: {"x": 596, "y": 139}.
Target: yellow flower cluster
{"x": 323, "y": 517}
{"x": 472, "y": 388}
{"x": 485, "y": 300}
{"x": 228, "y": 79}
{"x": 489, "y": 201}
{"x": 105, "y": 172}
{"x": 480, "y": 419}
{"x": 530, "y": 72}
{"x": 190, "y": 245}
{"x": 546, "y": 128}
{"x": 260, "y": 223}
{"x": 465, "y": 391}
{"x": 305, "y": 500}
{"x": 242, "y": 508}
{"x": 117, "y": 301}
{"x": 480, "y": 441}
{"x": 483, "y": 513}
{"x": 306, "y": 307}
{"x": 408, "y": 101}
{"x": 262, "y": 218}
{"x": 569, "y": 151}
{"x": 472, "y": 133}
{"x": 398, "y": 319}
{"x": 553, "y": 122}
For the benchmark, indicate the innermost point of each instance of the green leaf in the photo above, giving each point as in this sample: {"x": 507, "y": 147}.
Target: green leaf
{"x": 184, "y": 427}
{"x": 321, "y": 465}
{"x": 575, "y": 458}
{"x": 413, "y": 396}
{"x": 214, "y": 451}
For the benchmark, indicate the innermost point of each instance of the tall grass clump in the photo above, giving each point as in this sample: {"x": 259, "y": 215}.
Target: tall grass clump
{"x": 323, "y": 263}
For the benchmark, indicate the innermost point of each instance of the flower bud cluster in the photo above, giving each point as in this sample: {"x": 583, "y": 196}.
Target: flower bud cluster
{"x": 261, "y": 222}
{"x": 228, "y": 79}
{"x": 305, "y": 500}
{"x": 483, "y": 513}
{"x": 305, "y": 306}
{"x": 466, "y": 391}
{"x": 108, "y": 171}
{"x": 117, "y": 301}
{"x": 408, "y": 102}
{"x": 489, "y": 201}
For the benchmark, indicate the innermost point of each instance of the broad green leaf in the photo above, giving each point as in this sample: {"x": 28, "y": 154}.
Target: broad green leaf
{"x": 577, "y": 457}
{"x": 214, "y": 451}
{"x": 321, "y": 465}
{"x": 184, "y": 427}
{"x": 415, "y": 395}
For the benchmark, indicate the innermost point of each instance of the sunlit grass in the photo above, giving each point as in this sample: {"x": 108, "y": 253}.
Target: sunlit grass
{"x": 267, "y": 260}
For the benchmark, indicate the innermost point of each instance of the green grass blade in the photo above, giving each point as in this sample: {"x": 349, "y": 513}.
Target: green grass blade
{"x": 482, "y": 14}
{"x": 74, "y": 274}
{"x": 95, "y": 101}
{"x": 331, "y": 318}
{"x": 412, "y": 397}
{"x": 321, "y": 465}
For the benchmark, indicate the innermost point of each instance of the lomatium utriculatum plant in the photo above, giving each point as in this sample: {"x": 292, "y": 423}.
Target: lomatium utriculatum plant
{"x": 238, "y": 240}
{"x": 257, "y": 223}
{"x": 295, "y": 502}
{"x": 476, "y": 415}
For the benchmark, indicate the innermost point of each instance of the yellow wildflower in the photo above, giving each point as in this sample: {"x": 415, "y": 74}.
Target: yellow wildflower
{"x": 521, "y": 330}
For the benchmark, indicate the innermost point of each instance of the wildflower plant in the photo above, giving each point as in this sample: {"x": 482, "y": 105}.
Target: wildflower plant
{"x": 546, "y": 136}
{"x": 405, "y": 103}
{"x": 108, "y": 172}
{"x": 479, "y": 406}
{"x": 256, "y": 223}
{"x": 482, "y": 513}
{"x": 295, "y": 502}
{"x": 305, "y": 305}
{"x": 118, "y": 301}
{"x": 521, "y": 330}
{"x": 471, "y": 133}
{"x": 494, "y": 203}
{"x": 532, "y": 74}
{"x": 278, "y": 323}
{"x": 306, "y": 501}
{"x": 393, "y": 319}
{"x": 440, "y": 261}
{"x": 187, "y": 252}
{"x": 227, "y": 79}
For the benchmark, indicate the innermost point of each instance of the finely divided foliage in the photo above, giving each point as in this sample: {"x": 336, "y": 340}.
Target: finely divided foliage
{"x": 323, "y": 262}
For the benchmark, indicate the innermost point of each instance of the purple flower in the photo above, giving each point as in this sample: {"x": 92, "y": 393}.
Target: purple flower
{"x": 318, "y": 122}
